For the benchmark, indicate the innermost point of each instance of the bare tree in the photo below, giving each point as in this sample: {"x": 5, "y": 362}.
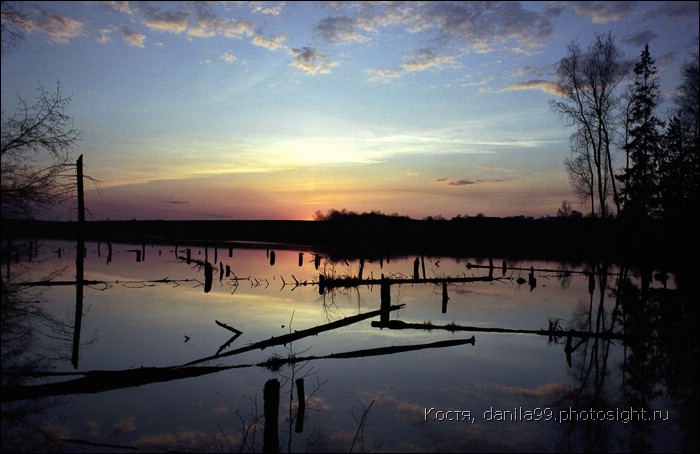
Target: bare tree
{"x": 14, "y": 24}
{"x": 581, "y": 168}
{"x": 588, "y": 82}
{"x": 35, "y": 154}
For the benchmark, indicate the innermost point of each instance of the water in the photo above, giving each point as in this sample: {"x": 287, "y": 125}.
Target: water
{"x": 517, "y": 386}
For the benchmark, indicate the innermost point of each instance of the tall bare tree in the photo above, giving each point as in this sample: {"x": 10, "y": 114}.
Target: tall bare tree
{"x": 588, "y": 82}
{"x": 35, "y": 155}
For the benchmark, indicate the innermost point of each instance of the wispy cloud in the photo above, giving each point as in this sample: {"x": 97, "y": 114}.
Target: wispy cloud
{"x": 382, "y": 75}
{"x": 543, "y": 85}
{"x": 132, "y": 37}
{"x": 426, "y": 58}
{"x": 61, "y": 29}
{"x": 267, "y": 8}
{"x": 273, "y": 43}
{"x": 340, "y": 29}
{"x": 480, "y": 25}
{"x": 467, "y": 182}
{"x": 228, "y": 57}
{"x": 604, "y": 12}
{"x": 311, "y": 61}
{"x": 641, "y": 38}
{"x": 166, "y": 21}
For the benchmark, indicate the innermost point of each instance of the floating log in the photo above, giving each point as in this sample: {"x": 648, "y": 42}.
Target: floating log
{"x": 296, "y": 335}
{"x": 100, "y": 381}
{"x": 398, "y": 324}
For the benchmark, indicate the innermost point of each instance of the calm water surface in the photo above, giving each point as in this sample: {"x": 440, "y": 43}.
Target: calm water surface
{"x": 522, "y": 384}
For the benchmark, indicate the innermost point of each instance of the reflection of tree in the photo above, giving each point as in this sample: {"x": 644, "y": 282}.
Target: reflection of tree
{"x": 591, "y": 371}
{"x": 24, "y": 324}
{"x": 660, "y": 360}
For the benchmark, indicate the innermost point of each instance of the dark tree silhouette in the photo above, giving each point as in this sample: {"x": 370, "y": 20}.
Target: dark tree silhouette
{"x": 35, "y": 155}
{"x": 644, "y": 147}
{"x": 588, "y": 82}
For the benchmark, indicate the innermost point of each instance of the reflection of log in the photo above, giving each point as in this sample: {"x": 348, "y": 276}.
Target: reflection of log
{"x": 271, "y": 397}
{"x": 101, "y": 381}
{"x": 326, "y": 283}
{"x": 208, "y": 276}
{"x": 398, "y": 324}
{"x": 301, "y": 407}
{"x": 296, "y": 335}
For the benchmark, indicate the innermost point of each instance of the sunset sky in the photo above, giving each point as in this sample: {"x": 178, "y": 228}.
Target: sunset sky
{"x": 274, "y": 110}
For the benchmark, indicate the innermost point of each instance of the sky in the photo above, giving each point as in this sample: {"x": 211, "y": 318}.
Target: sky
{"x": 277, "y": 110}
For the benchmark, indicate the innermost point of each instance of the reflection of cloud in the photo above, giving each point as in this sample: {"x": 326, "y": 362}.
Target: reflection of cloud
{"x": 545, "y": 391}
{"x": 221, "y": 410}
{"x": 188, "y": 439}
{"x": 124, "y": 426}
{"x": 311, "y": 61}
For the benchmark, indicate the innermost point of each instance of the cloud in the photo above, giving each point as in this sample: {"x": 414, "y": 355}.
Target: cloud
{"x": 228, "y": 57}
{"x": 311, "y": 61}
{"x": 462, "y": 182}
{"x": 641, "y": 38}
{"x": 105, "y": 36}
{"x": 274, "y": 43}
{"x": 383, "y": 75}
{"x": 60, "y": 29}
{"x": 465, "y": 182}
{"x": 545, "y": 86}
{"x": 426, "y": 58}
{"x": 265, "y": 8}
{"x": 166, "y": 21}
{"x": 483, "y": 24}
{"x": 341, "y": 29}
{"x": 208, "y": 24}
{"x": 604, "y": 12}
{"x": 132, "y": 37}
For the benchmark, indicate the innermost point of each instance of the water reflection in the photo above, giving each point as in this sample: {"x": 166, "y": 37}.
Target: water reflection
{"x": 579, "y": 349}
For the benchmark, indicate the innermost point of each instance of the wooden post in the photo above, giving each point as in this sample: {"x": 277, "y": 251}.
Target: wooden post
{"x": 416, "y": 262}
{"x": 385, "y": 300}
{"x": 444, "y": 297}
{"x": 271, "y": 397}
{"x": 79, "y": 266}
{"x": 301, "y": 258}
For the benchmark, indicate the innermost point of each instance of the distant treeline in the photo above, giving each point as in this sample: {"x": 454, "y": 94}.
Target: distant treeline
{"x": 669, "y": 244}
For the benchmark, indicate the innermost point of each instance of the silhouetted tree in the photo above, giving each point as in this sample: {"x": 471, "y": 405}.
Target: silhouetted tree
{"x": 580, "y": 168}
{"x": 644, "y": 151}
{"x": 680, "y": 168}
{"x": 35, "y": 149}
{"x": 588, "y": 82}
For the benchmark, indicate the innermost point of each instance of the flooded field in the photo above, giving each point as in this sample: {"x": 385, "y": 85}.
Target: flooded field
{"x": 246, "y": 347}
